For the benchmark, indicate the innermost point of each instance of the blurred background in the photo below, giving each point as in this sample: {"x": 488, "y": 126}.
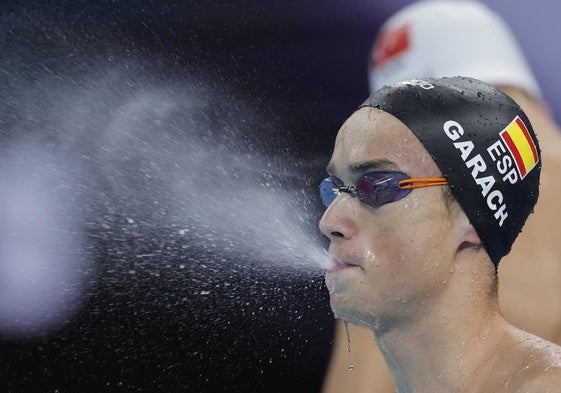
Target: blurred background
{"x": 146, "y": 149}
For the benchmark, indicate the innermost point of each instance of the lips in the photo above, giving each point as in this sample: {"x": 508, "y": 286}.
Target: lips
{"x": 340, "y": 264}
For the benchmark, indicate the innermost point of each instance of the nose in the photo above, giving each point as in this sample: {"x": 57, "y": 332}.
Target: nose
{"x": 338, "y": 221}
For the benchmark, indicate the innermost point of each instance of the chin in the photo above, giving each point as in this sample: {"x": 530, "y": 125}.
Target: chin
{"x": 354, "y": 319}
{"x": 347, "y": 312}
{"x": 345, "y": 307}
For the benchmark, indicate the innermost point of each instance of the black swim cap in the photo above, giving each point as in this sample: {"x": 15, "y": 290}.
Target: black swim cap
{"x": 483, "y": 144}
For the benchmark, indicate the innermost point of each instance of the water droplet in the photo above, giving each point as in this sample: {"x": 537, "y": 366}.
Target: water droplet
{"x": 351, "y": 366}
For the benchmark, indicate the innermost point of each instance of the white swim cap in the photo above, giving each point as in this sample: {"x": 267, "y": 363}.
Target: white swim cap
{"x": 435, "y": 38}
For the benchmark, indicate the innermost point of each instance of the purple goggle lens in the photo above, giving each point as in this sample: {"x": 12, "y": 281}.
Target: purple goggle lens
{"x": 376, "y": 188}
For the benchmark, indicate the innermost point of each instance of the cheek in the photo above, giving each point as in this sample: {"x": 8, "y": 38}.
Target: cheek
{"x": 386, "y": 247}
{"x": 407, "y": 238}
{"x": 432, "y": 244}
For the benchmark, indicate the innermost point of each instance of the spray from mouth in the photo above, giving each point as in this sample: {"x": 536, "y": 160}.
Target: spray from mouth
{"x": 209, "y": 179}
{"x": 154, "y": 156}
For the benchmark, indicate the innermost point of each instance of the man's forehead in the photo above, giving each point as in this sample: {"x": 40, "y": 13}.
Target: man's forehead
{"x": 367, "y": 123}
{"x": 359, "y": 167}
{"x": 369, "y": 132}
{"x": 375, "y": 140}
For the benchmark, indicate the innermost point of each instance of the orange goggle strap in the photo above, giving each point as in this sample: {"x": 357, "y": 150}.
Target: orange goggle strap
{"x": 409, "y": 184}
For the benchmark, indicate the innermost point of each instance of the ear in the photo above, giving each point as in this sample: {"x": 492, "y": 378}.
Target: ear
{"x": 467, "y": 237}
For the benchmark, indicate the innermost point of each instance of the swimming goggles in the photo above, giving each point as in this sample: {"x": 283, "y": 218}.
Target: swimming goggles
{"x": 376, "y": 188}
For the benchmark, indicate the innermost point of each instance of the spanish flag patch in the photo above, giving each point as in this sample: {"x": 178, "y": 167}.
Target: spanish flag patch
{"x": 521, "y": 146}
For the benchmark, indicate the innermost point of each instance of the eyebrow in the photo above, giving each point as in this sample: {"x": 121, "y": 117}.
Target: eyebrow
{"x": 365, "y": 166}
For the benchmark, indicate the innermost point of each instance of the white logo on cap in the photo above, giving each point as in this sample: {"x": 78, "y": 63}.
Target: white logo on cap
{"x": 494, "y": 197}
{"x": 419, "y": 82}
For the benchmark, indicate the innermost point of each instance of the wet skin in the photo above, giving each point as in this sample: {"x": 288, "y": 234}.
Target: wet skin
{"x": 413, "y": 272}
{"x": 390, "y": 257}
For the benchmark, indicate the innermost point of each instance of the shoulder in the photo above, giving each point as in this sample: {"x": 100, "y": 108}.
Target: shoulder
{"x": 548, "y": 380}
{"x": 542, "y": 373}
{"x": 531, "y": 364}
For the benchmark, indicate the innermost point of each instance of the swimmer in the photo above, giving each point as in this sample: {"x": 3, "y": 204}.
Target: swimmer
{"x": 430, "y": 182}
{"x": 440, "y": 38}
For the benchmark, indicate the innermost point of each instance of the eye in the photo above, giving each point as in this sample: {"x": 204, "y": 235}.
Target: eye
{"x": 329, "y": 188}
{"x": 366, "y": 189}
{"x": 379, "y": 188}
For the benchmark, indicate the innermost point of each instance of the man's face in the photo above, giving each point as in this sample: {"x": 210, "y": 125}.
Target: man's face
{"x": 396, "y": 257}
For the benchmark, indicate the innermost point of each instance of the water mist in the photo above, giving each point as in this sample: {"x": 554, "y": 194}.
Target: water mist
{"x": 118, "y": 150}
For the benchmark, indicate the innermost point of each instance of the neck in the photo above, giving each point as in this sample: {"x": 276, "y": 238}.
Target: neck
{"x": 444, "y": 348}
